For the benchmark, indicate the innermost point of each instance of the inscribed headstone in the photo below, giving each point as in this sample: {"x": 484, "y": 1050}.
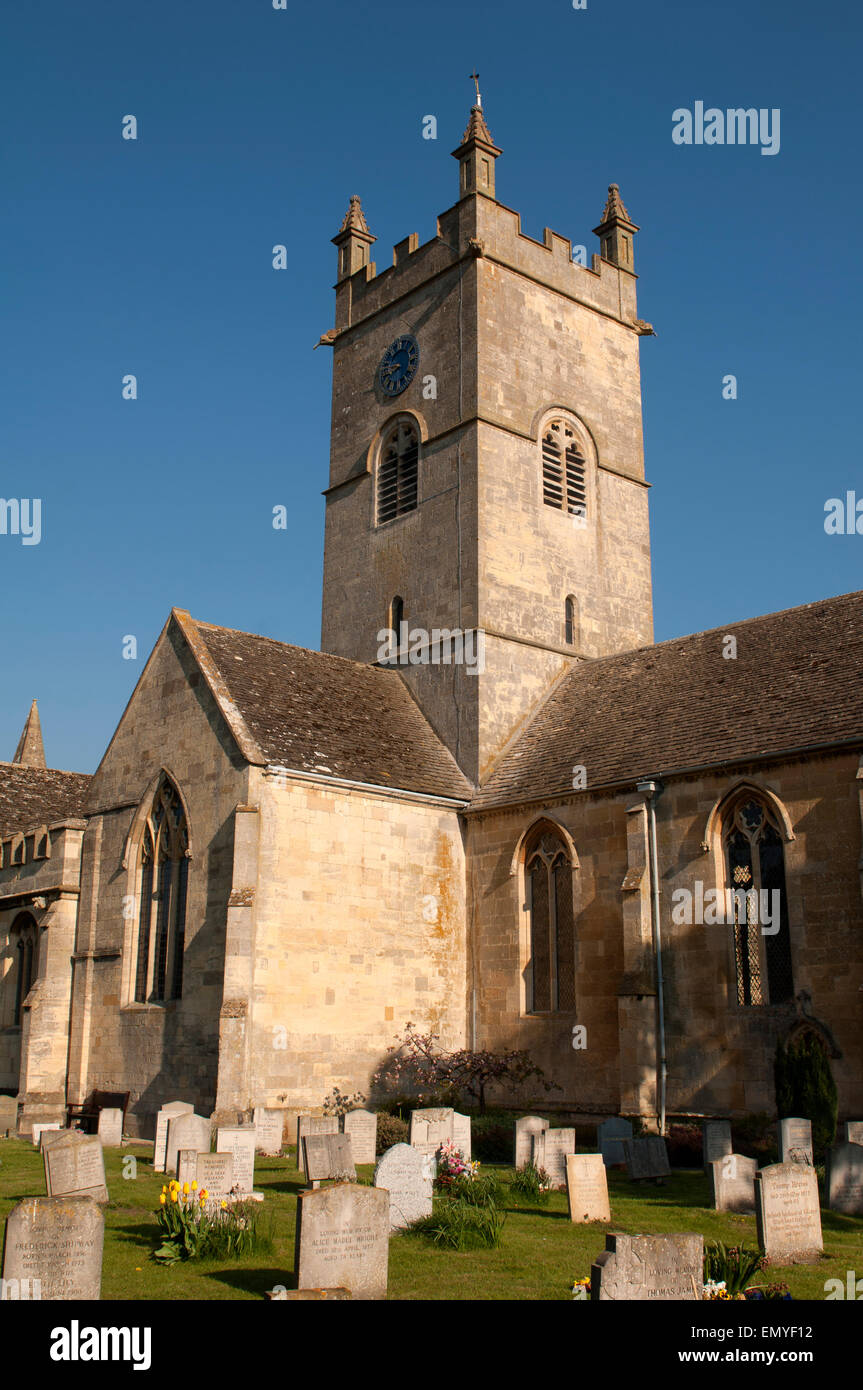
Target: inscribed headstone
{"x": 328, "y": 1156}
{"x": 362, "y": 1126}
{"x": 795, "y": 1141}
{"x": 188, "y": 1131}
{"x": 215, "y": 1173}
{"x": 733, "y": 1180}
{"x": 524, "y": 1128}
{"x": 167, "y": 1112}
{"x": 587, "y": 1188}
{"x": 268, "y": 1130}
{"x": 853, "y": 1131}
{"x": 430, "y": 1128}
{"x": 407, "y": 1175}
{"x": 75, "y": 1167}
{"x": 313, "y": 1124}
{"x": 187, "y": 1166}
{"x": 50, "y": 1136}
{"x": 715, "y": 1141}
{"x": 844, "y": 1179}
{"x": 609, "y": 1137}
{"x": 461, "y": 1134}
{"x": 38, "y": 1130}
{"x": 57, "y": 1241}
{"x": 649, "y": 1268}
{"x": 549, "y": 1150}
{"x": 646, "y": 1157}
{"x": 342, "y": 1239}
{"x": 240, "y": 1142}
{"x": 787, "y": 1212}
{"x": 111, "y": 1128}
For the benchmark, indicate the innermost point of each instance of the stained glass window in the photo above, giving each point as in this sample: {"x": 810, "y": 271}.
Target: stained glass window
{"x": 756, "y": 867}
{"x": 162, "y": 901}
{"x": 552, "y": 924}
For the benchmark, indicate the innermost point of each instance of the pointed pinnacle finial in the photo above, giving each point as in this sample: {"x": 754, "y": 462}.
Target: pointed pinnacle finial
{"x": 354, "y": 219}
{"x": 614, "y": 205}
{"x": 31, "y": 751}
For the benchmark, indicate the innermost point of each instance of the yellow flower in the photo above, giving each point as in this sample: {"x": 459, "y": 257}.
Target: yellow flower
{"x": 224, "y": 1206}
{"x": 185, "y": 1189}
{"x": 194, "y": 1185}
{"x": 164, "y": 1188}
{"x": 173, "y": 1196}
{"x": 162, "y": 1199}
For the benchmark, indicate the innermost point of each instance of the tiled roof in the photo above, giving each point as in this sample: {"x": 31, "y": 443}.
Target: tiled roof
{"x": 34, "y": 796}
{"x": 313, "y": 712}
{"x": 796, "y": 683}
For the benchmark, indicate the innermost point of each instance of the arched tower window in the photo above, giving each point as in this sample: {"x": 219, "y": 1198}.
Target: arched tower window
{"x": 548, "y": 875}
{"x": 24, "y": 938}
{"x": 755, "y": 859}
{"x": 570, "y": 621}
{"x": 397, "y": 616}
{"x": 162, "y": 905}
{"x": 564, "y": 469}
{"x": 398, "y": 471}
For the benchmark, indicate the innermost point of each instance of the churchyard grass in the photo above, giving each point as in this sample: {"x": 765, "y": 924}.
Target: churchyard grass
{"x": 540, "y": 1254}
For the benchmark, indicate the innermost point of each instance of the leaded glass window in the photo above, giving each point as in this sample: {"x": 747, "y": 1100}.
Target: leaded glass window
{"x": 162, "y": 903}
{"x": 755, "y": 860}
{"x": 548, "y": 872}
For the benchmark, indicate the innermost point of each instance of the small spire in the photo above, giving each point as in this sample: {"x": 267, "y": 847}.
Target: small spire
{"x": 31, "y": 751}
{"x": 616, "y": 231}
{"x": 614, "y": 205}
{"x": 354, "y": 218}
{"x": 477, "y": 152}
{"x": 353, "y": 239}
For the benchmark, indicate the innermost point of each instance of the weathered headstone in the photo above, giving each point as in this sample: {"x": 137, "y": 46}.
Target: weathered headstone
{"x": 587, "y": 1188}
{"x": 56, "y": 1241}
{"x": 525, "y": 1127}
{"x": 167, "y": 1112}
{"x": 75, "y": 1167}
{"x": 430, "y": 1128}
{"x": 313, "y": 1124}
{"x": 549, "y": 1151}
{"x": 8, "y": 1115}
{"x": 240, "y": 1142}
{"x": 787, "y": 1212}
{"x": 795, "y": 1141}
{"x": 407, "y": 1175}
{"x": 649, "y": 1268}
{"x": 853, "y": 1131}
{"x": 50, "y": 1136}
{"x": 111, "y": 1128}
{"x": 362, "y": 1126}
{"x": 269, "y": 1127}
{"x": 844, "y": 1179}
{"x": 733, "y": 1180}
{"x": 187, "y": 1166}
{"x": 215, "y": 1173}
{"x": 38, "y": 1130}
{"x": 461, "y": 1134}
{"x": 609, "y": 1137}
{"x": 646, "y": 1157}
{"x": 328, "y": 1156}
{"x": 342, "y": 1239}
{"x": 189, "y": 1131}
{"x": 715, "y": 1141}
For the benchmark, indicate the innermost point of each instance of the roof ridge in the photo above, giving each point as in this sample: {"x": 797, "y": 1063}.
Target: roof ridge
{"x": 295, "y": 646}
{"x": 63, "y": 771}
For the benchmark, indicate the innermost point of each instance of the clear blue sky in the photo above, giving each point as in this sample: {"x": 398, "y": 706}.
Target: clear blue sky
{"x": 255, "y": 125}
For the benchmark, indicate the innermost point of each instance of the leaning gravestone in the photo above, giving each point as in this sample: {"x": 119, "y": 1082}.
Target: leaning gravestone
{"x": 549, "y": 1151}
{"x": 50, "y": 1136}
{"x": 167, "y": 1112}
{"x": 787, "y": 1212}
{"x": 75, "y": 1167}
{"x": 461, "y": 1134}
{"x": 844, "y": 1179}
{"x": 407, "y": 1175}
{"x": 646, "y": 1157}
{"x": 313, "y": 1124}
{"x": 239, "y": 1141}
{"x": 57, "y": 1242}
{"x": 733, "y": 1179}
{"x": 430, "y": 1128}
{"x": 649, "y": 1268}
{"x": 362, "y": 1126}
{"x": 342, "y": 1239}
{"x": 328, "y": 1156}
{"x": 587, "y": 1188}
{"x": 795, "y": 1141}
{"x": 111, "y": 1128}
{"x": 269, "y": 1127}
{"x": 853, "y": 1131}
{"x": 715, "y": 1141}
{"x": 525, "y": 1127}
{"x": 38, "y": 1130}
{"x": 609, "y": 1137}
{"x": 189, "y": 1131}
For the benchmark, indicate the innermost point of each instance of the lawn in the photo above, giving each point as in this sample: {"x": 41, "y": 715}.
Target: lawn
{"x": 540, "y": 1254}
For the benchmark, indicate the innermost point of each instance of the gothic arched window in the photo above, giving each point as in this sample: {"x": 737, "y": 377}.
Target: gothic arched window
{"x": 24, "y": 938}
{"x": 398, "y": 471}
{"x": 755, "y": 863}
{"x": 162, "y": 905}
{"x": 569, "y": 621}
{"x": 564, "y": 470}
{"x": 548, "y": 875}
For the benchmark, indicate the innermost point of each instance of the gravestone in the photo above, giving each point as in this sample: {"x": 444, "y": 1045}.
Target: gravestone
{"x": 795, "y": 1141}
{"x": 342, "y": 1239}
{"x": 187, "y": 1166}
{"x": 57, "y": 1241}
{"x": 733, "y": 1181}
{"x": 844, "y": 1179}
{"x": 715, "y": 1141}
{"x": 313, "y": 1124}
{"x": 239, "y": 1141}
{"x": 430, "y": 1128}
{"x": 310, "y": 1295}
{"x": 163, "y": 1116}
{"x": 8, "y": 1115}
{"x": 461, "y": 1134}
{"x": 215, "y": 1173}
{"x": 111, "y": 1128}
{"x": 188, "y": 1131}
{"x": 587, "y": 1188}
{"x": 75, "y": 1167}
{"x": 649, "y": 1269}
{"x": 362, "y": 1126}
{"x": 787, "y": 1212}
{"x": 408, "y": 1176}
{"x": 646, "y": 1157}
{"x": 525, "y": 1127}
{"x": 269, "y": 1127}
{"x": 549, "y": 1149}
{"x": 328, "y": 1156}
{"x": 50, "y": 1136}
{"x": 38, "y": 1130}
{"x": 853, "y": 1131}
{"x": 609, "y": 1137}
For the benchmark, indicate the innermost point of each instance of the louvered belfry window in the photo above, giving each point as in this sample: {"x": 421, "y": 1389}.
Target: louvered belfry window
{"x": 564, "y": 476}
{"x": 548, "y": 871}
{"x": 398, "y": 472}
{"x": 162, "y": 902}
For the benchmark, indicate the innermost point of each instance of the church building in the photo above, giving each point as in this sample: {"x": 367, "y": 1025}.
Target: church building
{"x": 490, "y": 805}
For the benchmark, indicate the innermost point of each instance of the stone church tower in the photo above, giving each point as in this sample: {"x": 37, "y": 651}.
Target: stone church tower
{"x": 486, "y": 466}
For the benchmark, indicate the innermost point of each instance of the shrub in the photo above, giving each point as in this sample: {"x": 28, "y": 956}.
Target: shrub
{"x": 532, "y": 1184}
{"x": 492, "y": 1135}
{"x": 189, "y": 1231}
{"x": 684, "y": 1146}
{"x": 459, "y": 1225}
{"x": 755, "y": 1136}
{"x": 416, "y": 1065}
{"x": 338, "y": 1104}
{"x": 805, "y": 1086}
{"x": 732, "y": 1266}
{"x": 481, "y": 1190}
{"x": 391, "y": 1130}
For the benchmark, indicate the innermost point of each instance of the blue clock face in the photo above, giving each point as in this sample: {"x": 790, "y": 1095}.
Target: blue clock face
{"x": 399, "y": 365}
